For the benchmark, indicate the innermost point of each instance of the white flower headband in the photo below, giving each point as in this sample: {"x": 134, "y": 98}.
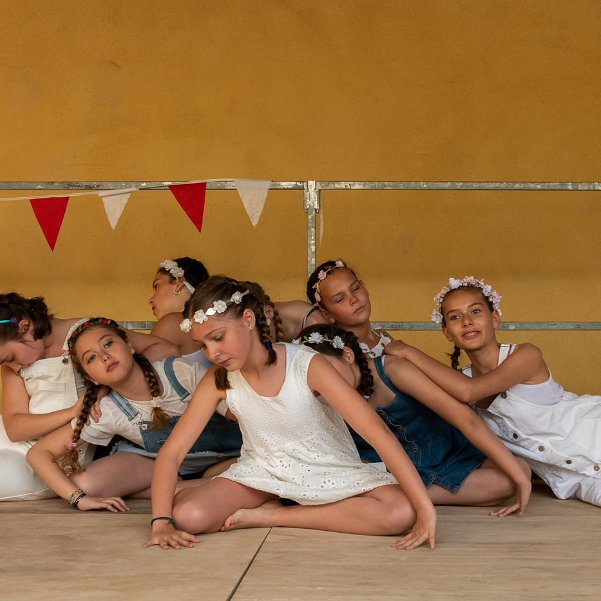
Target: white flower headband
{"x": 317, "y": 338}
{"x": 469, "y": 280}
{"x": 323, "y": 274}
{"x": 177, "y": 272}
{"x": 219, "y": 306}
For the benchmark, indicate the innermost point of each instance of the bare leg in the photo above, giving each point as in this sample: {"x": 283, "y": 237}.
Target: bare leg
{"x": 116, "y": 475}
{"x": 204, "y": 508}
{"x": 219, "y": 468}
{"x": 487, "y": 485}
{"x": 382, "y": 511}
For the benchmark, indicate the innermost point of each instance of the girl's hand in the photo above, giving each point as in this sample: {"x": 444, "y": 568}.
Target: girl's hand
{"x": 397, "y": 348}
{"x": 114, "y": 504}
{"x": 522, "y": 496}
{"x": 165, "y": 535}
{"x": 423, "y": 529}
{"x": 95, "y": 412}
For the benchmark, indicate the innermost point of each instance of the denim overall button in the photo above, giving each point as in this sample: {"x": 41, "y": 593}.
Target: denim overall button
{"x": 541, "y": 447}
{"x": 596, "y": 467}
{"x": 144, "y": 427}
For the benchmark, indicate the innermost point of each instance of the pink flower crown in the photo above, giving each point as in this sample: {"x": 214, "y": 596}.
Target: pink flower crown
{"x": 469, "y": 280}
{"x": 323, "y": 274}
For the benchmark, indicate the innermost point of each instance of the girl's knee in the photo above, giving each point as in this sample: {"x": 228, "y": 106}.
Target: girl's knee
{"x": 400, "y": 517}
{"x": 192, "y": 516}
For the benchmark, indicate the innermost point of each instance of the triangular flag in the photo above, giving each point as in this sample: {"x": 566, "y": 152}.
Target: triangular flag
{"x": 50, "y": 212}
{"x": 114, "y": 202}
{"x": 253, "y": 193}
{"x": 191, "y": 198}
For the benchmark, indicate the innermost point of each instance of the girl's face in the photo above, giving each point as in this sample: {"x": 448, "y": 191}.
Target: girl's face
{"x": 167, "y": 297}
{"x": 345, "y": 298}
{"x": 226, "y": 341}
{"x": 468, "y": 320}
{"x": 20, "y": 353}
{"x": 105, "y": 357}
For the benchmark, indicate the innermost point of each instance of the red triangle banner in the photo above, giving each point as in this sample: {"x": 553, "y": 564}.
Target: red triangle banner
{"x": 191, "y": 198}
{"x": 50, "y": 212}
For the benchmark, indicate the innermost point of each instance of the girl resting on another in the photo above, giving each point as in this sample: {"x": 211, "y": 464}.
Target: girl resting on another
{"x": 344, "y": 300}
{"x": 143, "y": 405}
{"x": 39, "y": 386}
{"x": 558, "y": 433}
{"x": 290, "y": 403}
{"x": 172, "y": 287}
{"x": 454, "y": 471}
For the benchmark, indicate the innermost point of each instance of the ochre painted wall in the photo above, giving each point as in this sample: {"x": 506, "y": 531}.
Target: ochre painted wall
{"x": 297, "y": 90}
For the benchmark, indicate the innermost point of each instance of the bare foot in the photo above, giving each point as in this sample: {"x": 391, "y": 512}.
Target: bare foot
{"x": 262, "y": 516}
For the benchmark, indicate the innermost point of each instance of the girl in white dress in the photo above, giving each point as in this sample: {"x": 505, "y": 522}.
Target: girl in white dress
{"x": 295, "y": 445}
{"x": 558, "y": 433}
{"x": 39, "y": 391}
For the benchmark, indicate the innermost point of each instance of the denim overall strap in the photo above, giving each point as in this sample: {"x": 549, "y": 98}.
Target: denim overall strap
{"x": 379, "y": 363}
{"x": 123, "y": 404}
{"x": 170, "y": 373}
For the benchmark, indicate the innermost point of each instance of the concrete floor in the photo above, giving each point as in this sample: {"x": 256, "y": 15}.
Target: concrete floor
{"x": 51, "y": 552}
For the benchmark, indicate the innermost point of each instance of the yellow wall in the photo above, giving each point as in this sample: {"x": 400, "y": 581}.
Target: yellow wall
{"x": 296, "y": 90}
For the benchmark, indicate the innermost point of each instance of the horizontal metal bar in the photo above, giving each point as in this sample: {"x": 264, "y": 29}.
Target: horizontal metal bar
{"x": 428, "y": 325}
{"x": 523, "y": 186}
{"x": 507, "y": 325}
{"x": 143, "y": 185}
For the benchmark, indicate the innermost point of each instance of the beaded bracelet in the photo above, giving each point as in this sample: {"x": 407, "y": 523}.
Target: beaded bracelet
{"x": 76, "y": 496}
{"x": 169, "y": 520}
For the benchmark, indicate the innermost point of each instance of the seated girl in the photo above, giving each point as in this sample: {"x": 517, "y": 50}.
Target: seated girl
{"x": 172, "y": 286}
{"x": 143, "y": 404}
{"x": 557, "y": 432}
{"x": 39, "y": 386}
{"x": 454, "y": 471}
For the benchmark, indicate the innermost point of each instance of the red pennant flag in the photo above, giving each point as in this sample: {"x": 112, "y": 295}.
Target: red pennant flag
{"x": 191, "y": 198}
{"x": 50, "y": 212}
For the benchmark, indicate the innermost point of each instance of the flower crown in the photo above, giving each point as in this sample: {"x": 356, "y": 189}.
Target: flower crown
{"x": 317, "y": 338}
{"x": 469, "y": 280}
{"x": 177, "y": 272}
{"x": 219, "y": 306}
{"x": 323, "y": 274}
{"x": 88, "y": 323}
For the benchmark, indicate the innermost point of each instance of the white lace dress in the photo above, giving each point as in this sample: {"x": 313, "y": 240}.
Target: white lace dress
{"x": 294, "y": 445}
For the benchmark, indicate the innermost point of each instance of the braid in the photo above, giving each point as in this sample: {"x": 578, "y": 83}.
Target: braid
{"x": 279, "y": 326}
{"x": 160, "y": 419}
{"x": 70, "y": 459}
{"x": 454, "y": 356}
{"x": 366, "y": 384}
{"x": 265, "y": 336}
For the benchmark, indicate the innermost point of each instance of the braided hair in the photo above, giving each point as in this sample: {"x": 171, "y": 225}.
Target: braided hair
{"x": 14, "y": 308}
{"x": 328, "y": 332}
{"x": 260, "y": 293}
{"x": 221, "y": 288}
{"x": 160, "y": 419}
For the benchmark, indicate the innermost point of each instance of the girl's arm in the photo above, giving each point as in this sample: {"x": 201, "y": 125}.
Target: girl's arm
{"x": 43, "y": 456}
{"x": 324, "y": 378}
{"x": 18, "y": 422}
{"x": 152, "y": 347}
{"x": 524, "y": 366}
{"x": 164, "y": 474}
{"x": 168, "y": 329}
{"x": 411, "y": 380}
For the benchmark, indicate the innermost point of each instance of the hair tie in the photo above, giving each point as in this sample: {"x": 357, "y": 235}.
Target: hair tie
{"x": 268, "y": 345}
{"x": 69, "y": 444}
{"x": 11, "y": 320}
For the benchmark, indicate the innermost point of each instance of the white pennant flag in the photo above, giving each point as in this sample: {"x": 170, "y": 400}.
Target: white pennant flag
{"x": 253, "y": 193}
{"x": 114, "y": 202}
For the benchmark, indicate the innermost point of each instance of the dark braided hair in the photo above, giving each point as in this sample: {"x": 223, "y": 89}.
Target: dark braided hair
{"x": 454, "y": 356}
{"x": 221, "y": 288}
{"x": 330, "y": 331}
{"x": 14, "y": 308}
{"x": 160, "y": 419}
{"x": 195, "y": 273}
{"x": 313, "y": 282}
{"x": 260, "y": 293}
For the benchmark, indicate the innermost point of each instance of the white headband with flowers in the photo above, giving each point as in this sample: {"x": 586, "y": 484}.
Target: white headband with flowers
{"x": 317, "y": 338}
{"x": 177, "y": 272}
{"x": 219, "y": 306}
{"x": 469, "y": 280}
{"x": 323, "y": 274}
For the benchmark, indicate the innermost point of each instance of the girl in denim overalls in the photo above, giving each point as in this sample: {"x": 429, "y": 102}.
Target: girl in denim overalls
{"x": 454, "y": 471}
{"x": 143, "y": 404}
{"x": 557, "y": 432}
